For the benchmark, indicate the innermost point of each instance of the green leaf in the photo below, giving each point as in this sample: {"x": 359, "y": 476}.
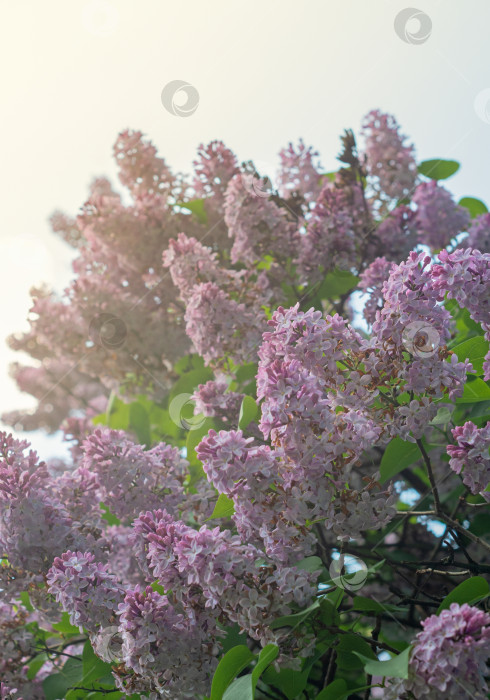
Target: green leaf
{"x": 246, "y": 373}
{"x": 72, "y": 670}
{"x": 26, "y": 601}
{"x": 289, "y": 682}
{"x": 194, "y": 437}
{"x": 474, "y": 350}
{"x": 224, "y": 508}
{"x": 310, "y": 564}
{"x": 474, "y": 390}
{"x": 65, "y": 626}
{"x": 398, "y": 455}
{"x": 93, "y": 667}
{"x": 109, "y": 517}
{"x": 350, "y": 646}
{"x": 328, "y": 176}
{"x": 438, "y": 169}
{"x": 233, "y": 638}
{"x": 474, "y": 206}
{"x": 196, "y": 206}
{"x": 467, "y": 591}
{"x": 248, "y": 412}
{"x": 443, "y": 416}
{"x": 337, "y": 283}
{"x": 266, "y": 657}
{"x": 397, "y": 667}
{"x": 333, "y": 691}
{"x": 139, "y": 422}
{"x": 363, "y": 604}
{"x": 55, "y": 687}
{"x": 232, "y": 663}
{"x": 240, "y": 689}
{"x": 190, "y": 381}
{"x": 34, "y": 665}
{"x": 296, "y": 618}
{"x": 158, "y": 588}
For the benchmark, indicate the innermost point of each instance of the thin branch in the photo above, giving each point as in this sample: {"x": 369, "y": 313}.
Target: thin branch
{"x": 430, "y": 474}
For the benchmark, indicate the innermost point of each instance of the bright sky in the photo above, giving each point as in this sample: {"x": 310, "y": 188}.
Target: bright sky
{"x": 267, "y": 71}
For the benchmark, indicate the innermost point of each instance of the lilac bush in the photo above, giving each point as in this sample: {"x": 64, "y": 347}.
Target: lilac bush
{"x": 257, "y": 377}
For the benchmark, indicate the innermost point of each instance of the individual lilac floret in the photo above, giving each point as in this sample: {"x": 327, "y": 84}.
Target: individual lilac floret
{"x": 388, "y": 158}
{"x": 471, "y": 456}
{"x": 7, "y": 693}
{"x": 448, "y": 658}
{"x": 85, "y": 589}
{"x": 438, "y": 218}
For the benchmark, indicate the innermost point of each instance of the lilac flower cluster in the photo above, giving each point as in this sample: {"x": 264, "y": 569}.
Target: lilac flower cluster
{"x": 131, "y": 478}
{"x": 34, "y": 525}
{"x": 276, "y": 491}
{"x": 218, "y": 325}
{"x": 371, "y": 281}
{"x": 413, "y": 321}
{"x": 464, "y": 275}
{"x": 438, "y": 218}
{"x": 299, "y": 172}
{"x": 213, "y": 399}
{"x": 389, "y": 160}
{"x": 448, "y": 657}
{"x": 171, "y": 654}
{"x": 214, "y": 168}
{"x": 256, "y": 224}
{"x": 85, "y": 589}
{"x": 479, "y": 233}
{"x": 471, "y": 456}
{"x": 210, "y": 572}
{"x": 334, "y": 232}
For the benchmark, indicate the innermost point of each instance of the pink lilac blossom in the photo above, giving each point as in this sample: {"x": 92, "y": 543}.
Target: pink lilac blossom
{"x": 412, "y": 320}
{"x": 172, "y": 655}
{"x": 7, "y": 693}
{"x": 448, "y": 657}
{"x": 213, "y": 399}
{"x": 214, "y": 567}
{"x": 438, "y": 218}
{"x": 34, "y": 525}
{"x": 214, "y": 168}
{"x": 464, "y": 275}
{"x": 218, "y": 325}
{"x": 191, "y": 263}
{"x": 85, "y": 589}
{"x": 334, "y": 233}
{"x": 479, "y": 234}
{"x": 299, "y": 172}
{"x": 389, "y": 160}
{"x": 371, "y": 282}
{"x": 395, "y": 235}
{"x": 471, "y": 456}
{"x": 131, "y": 478}
{"x": 257, "y": 225}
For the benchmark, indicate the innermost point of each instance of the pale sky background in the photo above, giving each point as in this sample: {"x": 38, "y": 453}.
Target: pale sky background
{"x": 76, "y": 72}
